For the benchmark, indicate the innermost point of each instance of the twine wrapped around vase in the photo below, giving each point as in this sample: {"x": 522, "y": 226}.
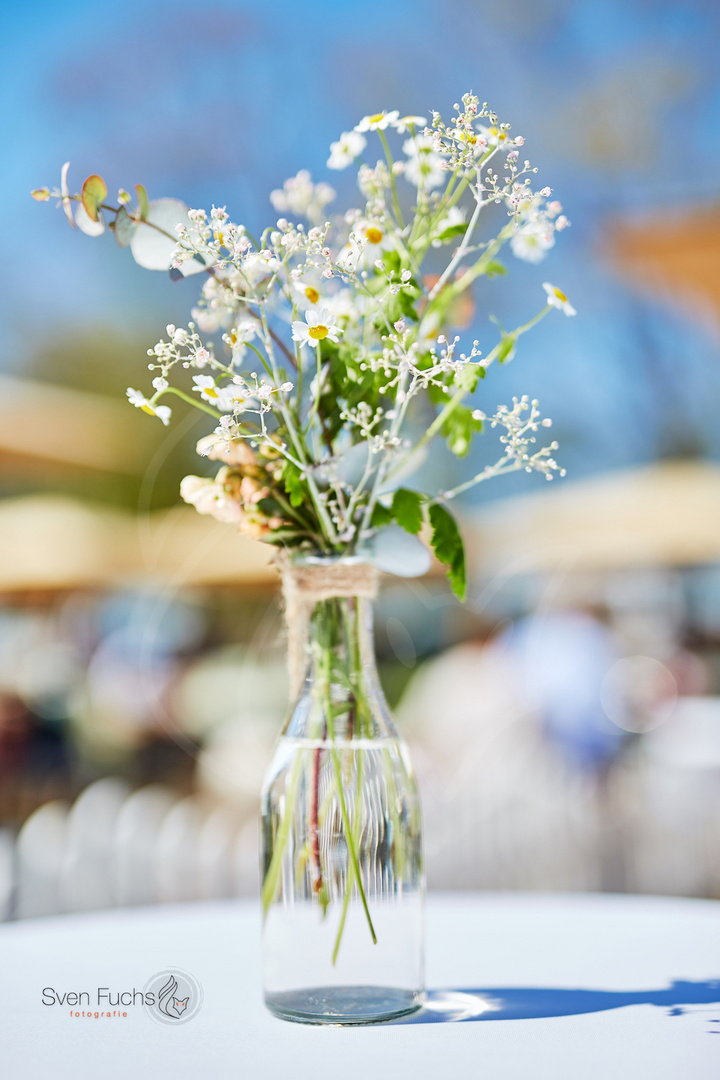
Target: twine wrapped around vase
{"x": 306, "y": 584}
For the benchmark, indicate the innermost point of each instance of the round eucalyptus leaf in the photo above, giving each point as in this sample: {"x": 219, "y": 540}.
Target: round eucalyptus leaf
{"x": 153, "y": 241}
{"x": 86, "y": 224}
{"x": 124, "y": 227}
{"x": 397, "y": 552}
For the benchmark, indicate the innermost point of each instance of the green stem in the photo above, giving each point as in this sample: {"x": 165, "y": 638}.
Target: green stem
{"x": 190, "y": 400}
{"x": 393, "y": 182}
{"x": 349, "y": 831}
{"x": 272, "y": 877}
{"x": 346, "y": 898}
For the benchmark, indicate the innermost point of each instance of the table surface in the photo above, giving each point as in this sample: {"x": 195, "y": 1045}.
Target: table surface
{"x": 566, "y": 987}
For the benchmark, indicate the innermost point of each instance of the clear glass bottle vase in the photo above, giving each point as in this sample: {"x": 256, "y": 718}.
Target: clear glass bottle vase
{"x": 342, "y": 863}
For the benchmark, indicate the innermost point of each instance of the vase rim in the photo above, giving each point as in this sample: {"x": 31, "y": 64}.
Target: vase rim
{"x": 318, "y": 558}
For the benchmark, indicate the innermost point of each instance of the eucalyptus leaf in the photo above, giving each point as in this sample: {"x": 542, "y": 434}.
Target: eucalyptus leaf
{"x": 86, "y": 224}
{"x": 65, "y": 191}
{"x": 347, "y": 467}
{"x": 143, "y": 203}
{"x": 395, "y": 551}
{"x": 404, "y": 469}
{"x": 125, "y": 227}
{"x": 153, "y": 242}
{"x": 93, "y": 192}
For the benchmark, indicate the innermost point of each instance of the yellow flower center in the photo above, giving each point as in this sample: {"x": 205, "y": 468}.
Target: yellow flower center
{"x": 493, "y": 131}
{"x": 233, "y": 337}
{"x": 211, "y": 392}
{"x": 318, "y": 332}
{"x": 312, "y": 294}
{"x": 148, "y": 410}
{"x": 376, "y": 117}
{"x": 220, "y": 237}
{"x": 560, "y": 295}
{"x": 374, "y": 235}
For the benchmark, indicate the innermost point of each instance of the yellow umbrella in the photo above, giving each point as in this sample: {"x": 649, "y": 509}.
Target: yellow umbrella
{"x": 50, "y": 542}
{"x": 79, "y": 429}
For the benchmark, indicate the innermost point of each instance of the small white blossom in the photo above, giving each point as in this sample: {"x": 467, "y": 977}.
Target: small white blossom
{"x": 301, "y": 198}
{"x": 557, "y": 298}
{"x": 532, "y": 241}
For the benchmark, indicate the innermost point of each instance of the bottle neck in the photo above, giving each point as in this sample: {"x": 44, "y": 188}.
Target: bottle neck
{"x": 341, "y": 697}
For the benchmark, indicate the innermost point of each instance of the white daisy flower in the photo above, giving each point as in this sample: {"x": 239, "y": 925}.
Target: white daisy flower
{"x": 405, "y": 123}
{"x": 366, "y": 244}
{"x": 378, "y": 121}
{"x": 224, "y": 398}
{"x": 319, "y": 324}
{"x": 306, "y": 290}
{"x": 557, "y": 298}
{"x": 343, "y": 152}
{"x": 163, "y": 412}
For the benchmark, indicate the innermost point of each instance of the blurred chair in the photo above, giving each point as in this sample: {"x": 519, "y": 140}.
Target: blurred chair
{"x": 87, "y": 871}
{"x": 137, "y": 830}
{"x": 673, "y": 799}
{"x": 216, "y": 850}
{"x": 40, "y": 856}
{"x": 177, "y": 856}
{"x": 7, "y": 873}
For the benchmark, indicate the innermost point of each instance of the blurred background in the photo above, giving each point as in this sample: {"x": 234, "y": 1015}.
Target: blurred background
{"x": 565, "y": 722}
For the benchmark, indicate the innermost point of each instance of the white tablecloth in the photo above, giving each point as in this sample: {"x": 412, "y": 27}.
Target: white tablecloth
{"x": 523, "y": 987}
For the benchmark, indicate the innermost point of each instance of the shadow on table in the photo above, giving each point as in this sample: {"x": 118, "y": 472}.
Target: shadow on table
{"x": 528, "y": 1003}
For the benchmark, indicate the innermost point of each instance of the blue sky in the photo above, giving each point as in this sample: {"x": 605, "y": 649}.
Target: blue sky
{"x": 619, "y": 103}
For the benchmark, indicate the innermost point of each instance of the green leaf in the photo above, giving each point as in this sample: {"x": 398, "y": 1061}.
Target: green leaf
{"x": 467, "y": 377}
{"x": 142, "y": 199}
{"x": 495, "y": 269}
{"x": 451, "y": 232}
{"x": 292, "y": 481}
{"x": 124, "y": 227}
{"x": 506, "y": 349}
{"x": 407, "y": 509}
{"x": 448, "y": 546}
{"x": 381, "y": 516}
{"x": 459, "y": 428}
{"x": 92, "y": 194}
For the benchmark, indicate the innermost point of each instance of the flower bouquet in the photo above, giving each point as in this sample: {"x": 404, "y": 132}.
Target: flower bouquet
{"x": 323, "y": 350}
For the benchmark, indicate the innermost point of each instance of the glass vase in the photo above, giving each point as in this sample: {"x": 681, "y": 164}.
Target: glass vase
{"x": 342, "y": 863}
